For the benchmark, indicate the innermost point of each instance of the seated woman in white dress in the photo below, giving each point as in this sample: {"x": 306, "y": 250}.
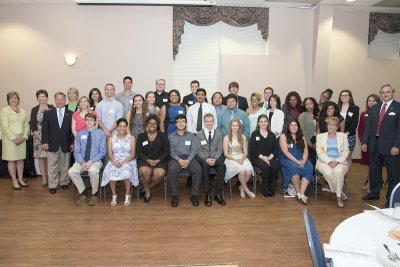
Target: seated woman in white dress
{"x": 333, "y": 150}
{"x": 236, "y": 161}
{"x": 122, "y": 163}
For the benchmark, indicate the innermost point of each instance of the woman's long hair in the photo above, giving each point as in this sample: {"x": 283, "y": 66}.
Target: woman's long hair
{"x": 145, "y": 111}
{"x": 351, "y": 101}
{"x": 287, "y": 102}
{"x": 377, "y": 99}
{"x": 315, "y": 104}
{"x": 299, "y": 134}
{"x": 323, "y": 114}
{"x": 263, "y": 116}
{"x": 239, "y": 133}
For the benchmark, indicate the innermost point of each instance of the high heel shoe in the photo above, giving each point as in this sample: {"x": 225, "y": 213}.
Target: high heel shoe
{"x": 16, "y": 187}
{"x": 127, "y": 201}
{"x": 340, "y": 202}
{"x": 114, "y": 201}
{"x": 251, "y": 194}
{"x": 23, "y": 184}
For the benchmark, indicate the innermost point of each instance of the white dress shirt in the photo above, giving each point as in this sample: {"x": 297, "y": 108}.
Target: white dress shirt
{"x": 192, "y": 116}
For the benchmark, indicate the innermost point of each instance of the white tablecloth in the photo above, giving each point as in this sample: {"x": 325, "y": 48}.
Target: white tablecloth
{"x": 366, "y": 231}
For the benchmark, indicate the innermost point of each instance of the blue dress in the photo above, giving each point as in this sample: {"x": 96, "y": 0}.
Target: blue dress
{"x": 173, "y": 111}
{"x": 290, "y": 168}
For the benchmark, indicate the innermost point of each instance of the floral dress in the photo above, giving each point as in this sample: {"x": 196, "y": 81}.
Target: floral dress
{"x": 38, "y": 151}
{"x": 121, "y": 149}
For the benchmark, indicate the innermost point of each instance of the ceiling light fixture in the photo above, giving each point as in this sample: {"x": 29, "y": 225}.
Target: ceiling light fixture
{"x": 70, "y": 59}
{"x": 149, "y": 2}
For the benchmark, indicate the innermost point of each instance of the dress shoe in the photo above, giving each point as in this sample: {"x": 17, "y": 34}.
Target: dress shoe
{"x": 195, "y": 201}
{"x": 208, "y": 200}
{"x": 82, "y": 200}
{"x": 64, "y": 187}
{"x": 369, "y": 197}
{"x": 142, "y": 192}
{"x": 52, "y": 190}
{"x": 265, "y": 194}
{"x": 220, "y": 199}
{"x": 270, "y": 194}
{"x": 146, "y": 199}
{"x": 175, "y": 201}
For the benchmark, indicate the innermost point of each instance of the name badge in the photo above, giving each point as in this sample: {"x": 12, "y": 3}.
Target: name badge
{"x": 366, "y": 115}
{"x": 257, "y": 138}
{"x": 131, "y": 101}
{"x": 84, "y": 137}
{"x": 203, "y": 142}
{"x": 111, "y": 111}
{"x": 392, "y": 114}
{"x": 187, "y": 143}
{"x": 165, "y": 100}
{"x": 145, "y": 143}
{"x": 180, "y": 111}
{"x": 241, "y": 122}
{"x": 190, "y": 102}
{"x": 290, "y": 145}
{"x": 350, "y": 114}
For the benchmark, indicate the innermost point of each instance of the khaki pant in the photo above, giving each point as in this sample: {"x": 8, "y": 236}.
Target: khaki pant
{"x": 75, "y": 174}
{"x": 334, "y": 177}
{"x": 57, "y": 168}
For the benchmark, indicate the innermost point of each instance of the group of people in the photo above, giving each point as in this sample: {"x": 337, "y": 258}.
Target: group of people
{"x": 142, "y": 139}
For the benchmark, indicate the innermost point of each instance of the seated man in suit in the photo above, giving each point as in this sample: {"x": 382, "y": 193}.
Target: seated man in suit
{"x": 241, "y": 101}
{"x": 57, "y": 140}
{"x": 184, "y": 148}
{"x": 90, "y": 149}
{"x": 209, "y": 155}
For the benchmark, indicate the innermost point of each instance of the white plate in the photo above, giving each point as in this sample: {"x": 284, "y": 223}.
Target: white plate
{"x": 382, "y": 257}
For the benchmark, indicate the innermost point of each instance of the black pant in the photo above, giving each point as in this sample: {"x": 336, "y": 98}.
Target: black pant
{"x": 268, "y": 173}
{"x": 221, "y": 168}
{"x": 312, "y": 156}
{"x": 375, "y": 172}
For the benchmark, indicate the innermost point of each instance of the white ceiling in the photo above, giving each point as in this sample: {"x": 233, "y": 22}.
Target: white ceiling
{"x": 372, "y": 5}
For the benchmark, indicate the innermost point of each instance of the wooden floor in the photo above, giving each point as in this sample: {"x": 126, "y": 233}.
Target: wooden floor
{"x": 39, "y": 229}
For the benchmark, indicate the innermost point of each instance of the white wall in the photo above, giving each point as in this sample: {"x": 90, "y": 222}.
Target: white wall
{"x": 111, "y": 42}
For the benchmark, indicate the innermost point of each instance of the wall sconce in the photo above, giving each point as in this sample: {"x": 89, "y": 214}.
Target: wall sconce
{"x": 70, "y": 59}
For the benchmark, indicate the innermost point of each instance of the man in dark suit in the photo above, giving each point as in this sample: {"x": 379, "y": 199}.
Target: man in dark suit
{"x": 268, "y": 91}
{"x": 240, "y": 100}
{"x": 191, "y": 99}
{"x": 381, "y": 139}
{"x": 209, "y": 156}
{"x": 161, "y": 94}
{"x": 58, "y": 141}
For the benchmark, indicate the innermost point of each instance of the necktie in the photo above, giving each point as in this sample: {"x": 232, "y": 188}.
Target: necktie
{"x": 265, "y": 105}
{"x": 232, "y": 115}
{"x": 383, "y": 111}
{"x": 88, "y": 147}
{"x": 209, "y": 137}
{"x": 60, "y": 118}
{"x": 200, "y": 118}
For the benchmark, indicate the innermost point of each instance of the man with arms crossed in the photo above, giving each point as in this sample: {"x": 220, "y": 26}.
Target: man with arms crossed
{"x": 209, "y": 156}
{"x": 90, "y": 149}
{"x": 381, "y": 139}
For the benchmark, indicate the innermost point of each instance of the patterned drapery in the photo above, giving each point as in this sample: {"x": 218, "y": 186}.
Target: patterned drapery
{"x": 387, "y": 22}
{"x": 205, "y": 16}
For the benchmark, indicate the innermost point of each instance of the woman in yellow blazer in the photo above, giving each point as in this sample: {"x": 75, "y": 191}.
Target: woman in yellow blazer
{"x": 333, "y": 150}
{"x": 15, "y": 129}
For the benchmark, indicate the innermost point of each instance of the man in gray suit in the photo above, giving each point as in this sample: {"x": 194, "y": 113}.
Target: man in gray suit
{"x": 209, "y": 156}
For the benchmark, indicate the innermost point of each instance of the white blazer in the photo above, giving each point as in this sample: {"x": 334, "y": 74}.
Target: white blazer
{"x": 277, "y": 121}
{"x": 342, "y": 143}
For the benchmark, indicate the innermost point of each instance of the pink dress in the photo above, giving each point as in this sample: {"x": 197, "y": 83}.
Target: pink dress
{"x": 80, "y": 122}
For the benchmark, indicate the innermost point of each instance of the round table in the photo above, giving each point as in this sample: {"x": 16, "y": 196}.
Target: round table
{"x": 367, "y": 231}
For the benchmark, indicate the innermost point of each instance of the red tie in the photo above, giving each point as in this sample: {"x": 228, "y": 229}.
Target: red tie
{"x": 383, "y": 111}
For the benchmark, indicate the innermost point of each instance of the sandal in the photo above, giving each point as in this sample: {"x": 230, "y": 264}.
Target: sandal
{"x": 127, "y": 201}
{"x": 302, "y": 199}
{"x": 340, "y": 202}
{"x": 344, "y": 197}
{"x": 114, "y": 201}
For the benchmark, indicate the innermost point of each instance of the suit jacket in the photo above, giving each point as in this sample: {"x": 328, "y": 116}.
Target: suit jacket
{"x": 187, "y": 98}
{"x": 207, "y": 150}
{"x": 351, "y": 120}
{"x": 389, "y": 131}
{"x": 342, "y": 143}
{"x": 243, "y": 105}
{"x": 53, "y": 135}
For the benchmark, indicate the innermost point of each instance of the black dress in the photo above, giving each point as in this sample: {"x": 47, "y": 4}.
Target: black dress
{"x": 157, "y": 149}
